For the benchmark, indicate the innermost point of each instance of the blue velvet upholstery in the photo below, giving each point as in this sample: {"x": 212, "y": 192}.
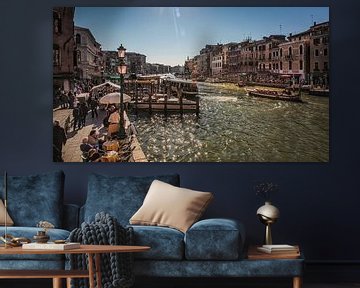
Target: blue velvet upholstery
{"x": 29, "y": 232}
{"x": 32, "y": 265}
{"x": 121, "y": 197}
{"x": 166, "y": 243}
{"x": 35, "y": 198}
{"x": 214, "y": 239}
{"x": 238, "y": 268}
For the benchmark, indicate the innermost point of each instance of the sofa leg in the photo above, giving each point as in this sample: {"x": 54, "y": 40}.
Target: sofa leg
{"x": 297, "y": 282}
{"x": 57, "y": 283}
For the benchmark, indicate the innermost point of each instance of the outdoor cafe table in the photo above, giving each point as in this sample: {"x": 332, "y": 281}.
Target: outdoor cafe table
{"x": 90, "y": 250}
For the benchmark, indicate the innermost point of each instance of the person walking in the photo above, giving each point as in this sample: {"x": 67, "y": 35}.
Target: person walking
{"x": 77, "y": 117}
{"x": 59, "y": 139}
{"x": 93, "y": 106}
{"x": 83, "y": 113}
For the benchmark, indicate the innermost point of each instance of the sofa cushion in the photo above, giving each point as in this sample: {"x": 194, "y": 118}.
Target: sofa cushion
{"x": 35, "y": 198}
{"x": 170, "y": 206}
{"x": 118, "y": 196}
{"x": 9, "y": 221}
{"x": 165, "y": 243}
{"x": 29, "y": 232}
{"x": 214, "y": 239}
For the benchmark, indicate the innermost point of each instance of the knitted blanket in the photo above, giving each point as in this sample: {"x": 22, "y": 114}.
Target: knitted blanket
{"x": 116, "y": 268}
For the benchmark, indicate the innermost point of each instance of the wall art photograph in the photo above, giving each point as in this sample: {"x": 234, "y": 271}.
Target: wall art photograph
{"x": 191, "y": 84}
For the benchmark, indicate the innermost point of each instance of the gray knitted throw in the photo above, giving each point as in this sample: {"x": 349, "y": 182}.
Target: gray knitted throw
{"x": 116, "y": 268}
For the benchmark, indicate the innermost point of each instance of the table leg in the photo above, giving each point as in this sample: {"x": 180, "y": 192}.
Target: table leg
{"x": 98, "y": 270}
{"x": 91, "y": 270}
{"x": 297, "y": 282}
{"x": 57, "y": 283}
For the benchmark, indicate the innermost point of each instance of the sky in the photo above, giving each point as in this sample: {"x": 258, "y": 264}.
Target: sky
{"x": 168, "y": 35}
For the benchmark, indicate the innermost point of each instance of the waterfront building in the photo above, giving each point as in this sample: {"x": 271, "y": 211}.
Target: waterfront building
{"x": 216, "y": 55}
{"x": 110, "y": 66}
{"x": 63, "y": 48}
{"x": 247, "y": 57}
{"x": 177, "y": 70}
{"x": 268, "y": 53}
{"x": 294, "y": 57}
{"x": 135, "y": 62}
{"x": 319, "y": 54}
{"x": 232, "y": 67}
{"x": 89, "y": 56}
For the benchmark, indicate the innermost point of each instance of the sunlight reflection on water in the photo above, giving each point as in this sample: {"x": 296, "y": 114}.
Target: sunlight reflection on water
{"x": 234, "y": 127}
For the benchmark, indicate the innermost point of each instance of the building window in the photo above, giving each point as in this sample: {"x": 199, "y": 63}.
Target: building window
{"x": 301, "y": 65}
{"x": 277, "y": 66}
{"x": 280, "y": 52}
{"x": 316, "y": 41}
{"x": 281, "y": 66}
{"x": 316, "y": 66}
{"x": 269, "y": 56}
{"x": 290, "y": 51}
{"x": 56, "y": 55}
{"x": 56, "y": 22}
{"x": 325, "y": 52}
{"x": 290, "y": 65}
{"x": 301, "y": 49}
{"x": 78, "y": 39}
{"x": 316, "y": 52}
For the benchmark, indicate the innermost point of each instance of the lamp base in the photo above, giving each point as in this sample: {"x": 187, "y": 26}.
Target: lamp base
{"x": 268, "y": 237}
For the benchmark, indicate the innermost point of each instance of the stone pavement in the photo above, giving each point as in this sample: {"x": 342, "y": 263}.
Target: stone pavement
{"x": 71, "y": 150}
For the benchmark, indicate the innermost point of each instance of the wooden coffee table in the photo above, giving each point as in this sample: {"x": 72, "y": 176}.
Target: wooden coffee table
{"x": 92, "y": 251}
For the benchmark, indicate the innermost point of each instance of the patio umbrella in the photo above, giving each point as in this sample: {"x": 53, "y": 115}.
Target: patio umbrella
{"x": 114, "y": 98}
{"x": 104, "y": 85}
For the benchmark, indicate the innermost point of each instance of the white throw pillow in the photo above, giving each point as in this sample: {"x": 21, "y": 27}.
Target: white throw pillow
{"x": 170, "y": 206}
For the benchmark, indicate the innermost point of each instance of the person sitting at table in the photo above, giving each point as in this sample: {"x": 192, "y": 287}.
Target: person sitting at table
{"x": 85, "y": 147}
{"x": 94, "y": 155}
{"x": 93, "y": 139}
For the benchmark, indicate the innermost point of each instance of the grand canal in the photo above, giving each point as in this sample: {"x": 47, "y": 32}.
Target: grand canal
{"x": 235, "y": 127}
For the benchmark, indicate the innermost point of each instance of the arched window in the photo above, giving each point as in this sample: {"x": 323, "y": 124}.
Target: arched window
{"x": 56, "y": 22}
{"x": 301, "y": 49}
{"x": 280, "y": 52}
{"x": 290, "y": 51}
{"x": 78, "y": 39}
{"x": 56, "y": 55}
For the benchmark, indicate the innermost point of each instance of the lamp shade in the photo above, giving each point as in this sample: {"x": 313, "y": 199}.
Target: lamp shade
{"x": 122, "y": 68}
{"x": 121, "y": 51}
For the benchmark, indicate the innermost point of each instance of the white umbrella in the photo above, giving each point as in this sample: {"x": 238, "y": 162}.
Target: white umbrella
{"x": 114, "y": 98}
{"x": 105, "y": 84}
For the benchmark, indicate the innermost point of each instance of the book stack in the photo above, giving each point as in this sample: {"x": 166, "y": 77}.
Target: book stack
{"x": 51, "y": 246}
{"x": 273, "y": 252}
{"x": 279, "y": 249}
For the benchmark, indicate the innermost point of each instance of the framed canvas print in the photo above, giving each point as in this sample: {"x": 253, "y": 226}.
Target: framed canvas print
{"x": 191, "y": 84}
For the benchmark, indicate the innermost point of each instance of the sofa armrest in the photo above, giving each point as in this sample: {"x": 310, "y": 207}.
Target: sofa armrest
{"x": 215, "y": 239}
{"x": 71, "y": 216}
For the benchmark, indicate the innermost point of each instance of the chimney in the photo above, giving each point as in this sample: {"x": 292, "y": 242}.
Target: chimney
{"x": 314, "y": 23}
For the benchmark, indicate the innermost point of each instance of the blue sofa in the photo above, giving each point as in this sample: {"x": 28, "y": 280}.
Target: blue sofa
{"x": 210, "y": 248}
{"x": 32, "y": 199}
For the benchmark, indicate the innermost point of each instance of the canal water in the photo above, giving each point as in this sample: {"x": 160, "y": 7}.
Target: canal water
{"x": 235, "y": 127}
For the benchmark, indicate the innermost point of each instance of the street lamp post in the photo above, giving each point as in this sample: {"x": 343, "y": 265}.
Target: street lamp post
{"x": 122, "y": 72}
